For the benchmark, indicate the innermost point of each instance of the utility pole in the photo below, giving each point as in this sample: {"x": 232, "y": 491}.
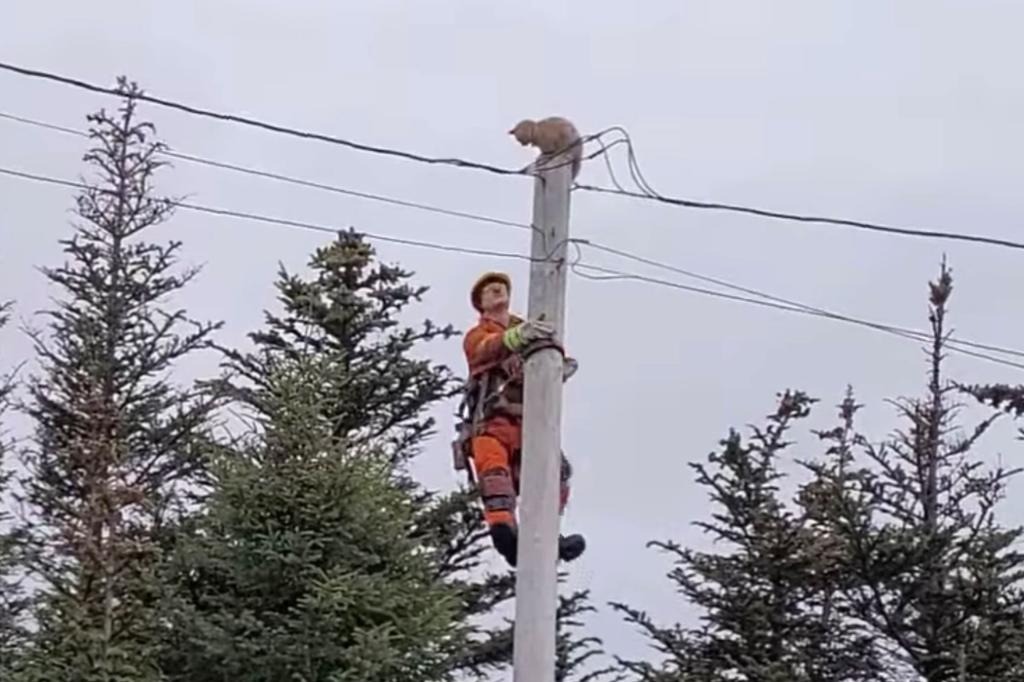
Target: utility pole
{"x": 537, "y": 561}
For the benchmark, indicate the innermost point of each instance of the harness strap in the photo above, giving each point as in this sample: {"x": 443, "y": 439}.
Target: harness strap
{"x": 486, "y": 400}
{"x": 539, "y": 345}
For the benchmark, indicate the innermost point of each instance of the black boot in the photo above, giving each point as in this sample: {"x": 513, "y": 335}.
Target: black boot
{"x": 506, "y": 541}
{"x": 570, "y": 546}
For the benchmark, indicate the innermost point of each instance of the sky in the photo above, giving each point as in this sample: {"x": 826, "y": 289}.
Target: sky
{"x": 900, "y": 113}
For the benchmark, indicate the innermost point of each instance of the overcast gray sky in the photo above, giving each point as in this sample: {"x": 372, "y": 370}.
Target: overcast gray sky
{"x": 904, "y": 113}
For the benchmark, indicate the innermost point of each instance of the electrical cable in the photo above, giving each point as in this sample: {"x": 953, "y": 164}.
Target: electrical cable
{"x": 279, "y": 221}
{"x": 995, "y": 241}
{"x": 576, "y": 266}
{"x": 248, "y": 170}
{"x": 823, "y": 312}
{"x": 647, "y": 194}
{"x": 242, "y": 120}
{"x": 612, "y": 274}
{"x": 634, "y": 166}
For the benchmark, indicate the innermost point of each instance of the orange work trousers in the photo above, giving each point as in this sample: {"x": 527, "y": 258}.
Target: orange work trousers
{"x": 496, "y": 462}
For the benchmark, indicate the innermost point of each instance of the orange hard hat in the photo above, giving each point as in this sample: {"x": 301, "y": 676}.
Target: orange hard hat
{"x": 484, "y": 280}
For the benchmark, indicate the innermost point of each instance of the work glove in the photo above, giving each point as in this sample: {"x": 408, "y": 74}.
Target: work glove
{"x": 524, "y": 334}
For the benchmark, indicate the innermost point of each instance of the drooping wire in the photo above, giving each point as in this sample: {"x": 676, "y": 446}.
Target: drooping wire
{"x": 647, "y": 193}
{"x": 576, "y": 266}
{"x": 285, "y": 130}
{"x": 248, "y": 170}
{"x": 635, "y": 173}
{"x": 634, "y": 166}
{"x": 276, "y": 221}
{"x": 272, "y": 127}
{"x": 820, "y": 311}
{"x": 609, "y": 274}
{"x": 956, "y": 236}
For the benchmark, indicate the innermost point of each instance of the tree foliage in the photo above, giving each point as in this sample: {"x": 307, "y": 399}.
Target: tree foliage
{"x": 765, "y": 602}
{"x": 577, "y": 653}
{"x": 348, "y": 312}
{"x": 888, "y": 564}
{"x": 929, "y": 567}
{"x": 115, "y": 442}
{"x": 13, "y": 601}
{"x": 302, "y": 567}
{"x": 373, "y": 395}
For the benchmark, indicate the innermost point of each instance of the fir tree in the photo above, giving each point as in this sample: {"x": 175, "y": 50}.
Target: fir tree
{"x": 115, "y": 443}
{"x": 302, "y": 567}
{"x": 12, "y": 598}
{"x": 575, "y": 652}
{"x": 833, "y": 575}
{"x": 765, "y": 603}
{"x": 928, "y": 566}
{"x": 375, "y": 394}
{"x": 349, "y": 313}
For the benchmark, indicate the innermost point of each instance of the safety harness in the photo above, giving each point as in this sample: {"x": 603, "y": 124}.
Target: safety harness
{"x": 484, "y": 397}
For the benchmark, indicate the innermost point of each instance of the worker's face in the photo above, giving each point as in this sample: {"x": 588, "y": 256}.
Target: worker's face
{"x": 494, "y": 297}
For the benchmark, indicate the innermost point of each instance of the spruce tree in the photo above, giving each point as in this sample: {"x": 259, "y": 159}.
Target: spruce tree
{"x": 374, "y": 393}
{"x": 763, "y": 600}
{"x": 115, "y": 442}
{"x": 928, "y": 566}
{"x": 576, "y": 653}
{"x": 348, "y": 311}
{"x": 12, "y": 596}
{"x": 302, "y": 567}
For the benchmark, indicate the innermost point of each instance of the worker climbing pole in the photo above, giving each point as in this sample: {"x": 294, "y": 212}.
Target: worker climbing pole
{"x": 512, "y": 434}
{"x": 494, "y": 348}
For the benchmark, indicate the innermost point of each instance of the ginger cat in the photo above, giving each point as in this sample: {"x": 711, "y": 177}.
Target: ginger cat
{"x": 551, "y": 135}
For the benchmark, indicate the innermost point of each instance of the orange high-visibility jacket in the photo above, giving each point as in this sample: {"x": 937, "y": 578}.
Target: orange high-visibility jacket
{"x": 486, "y": 354}
{"x": 484, "y": 347}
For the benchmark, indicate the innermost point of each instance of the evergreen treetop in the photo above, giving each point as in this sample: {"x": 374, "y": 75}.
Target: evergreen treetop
{"x": 302, "y": 566}
{"x": 349, "y": 312}
{"x": 116, "y": 444}
{"x": 764, "y": 602}
{"x": 928, "y": 566}
{"x": 372, "y": 391}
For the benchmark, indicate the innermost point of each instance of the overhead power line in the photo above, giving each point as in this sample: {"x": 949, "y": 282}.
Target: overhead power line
{"x": 279, "y": 221}
{"x": 635, "y": 172}
{"x": 647, "y": 194}
{"x": 577, "y": 267}
{"x": 688, "y": 203}
{"x": 248, "y": 170}
{"x": 609, "y": 274}
{"x": 909, "y": 333}
{"x": 272, "y": 127}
